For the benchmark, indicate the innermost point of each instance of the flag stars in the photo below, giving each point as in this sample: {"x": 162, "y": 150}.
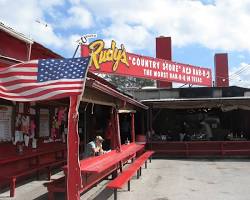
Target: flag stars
{"x": 62, "y": 69}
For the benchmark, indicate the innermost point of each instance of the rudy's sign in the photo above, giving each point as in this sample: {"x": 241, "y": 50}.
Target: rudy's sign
{"x": 116, "y": 60}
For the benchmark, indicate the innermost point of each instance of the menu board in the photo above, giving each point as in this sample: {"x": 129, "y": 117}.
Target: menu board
{"x": 5, "y": 123}
{"x": 44, "y": 123}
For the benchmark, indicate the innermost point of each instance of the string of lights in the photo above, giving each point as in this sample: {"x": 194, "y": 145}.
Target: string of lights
{"x": 234, "y": 75}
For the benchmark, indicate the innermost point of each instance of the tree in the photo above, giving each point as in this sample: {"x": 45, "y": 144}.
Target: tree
{"x": 122, "y": 82}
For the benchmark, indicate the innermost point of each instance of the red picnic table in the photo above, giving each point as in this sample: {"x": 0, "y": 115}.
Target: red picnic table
{"x": 100, "y": 163}
{"x": 94, "y": 169}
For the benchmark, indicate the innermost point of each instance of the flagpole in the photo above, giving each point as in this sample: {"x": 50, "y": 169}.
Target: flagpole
{"x": 76, "y": 50}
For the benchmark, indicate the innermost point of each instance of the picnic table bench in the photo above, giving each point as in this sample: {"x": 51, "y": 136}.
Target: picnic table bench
{"x": 95, "y": 169}
{"x": 126, "y": 175}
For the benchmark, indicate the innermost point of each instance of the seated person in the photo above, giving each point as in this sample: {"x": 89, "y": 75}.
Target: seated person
{"x": 95, "y": 147}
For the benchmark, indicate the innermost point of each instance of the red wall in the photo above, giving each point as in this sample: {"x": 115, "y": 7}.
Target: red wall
{"x": 221, "y": 70}
{"x": 164, "y": 51}
{"x": 12, "y": 47}
{"x": 40, "y": 52}
{"x": 17, "y": 49}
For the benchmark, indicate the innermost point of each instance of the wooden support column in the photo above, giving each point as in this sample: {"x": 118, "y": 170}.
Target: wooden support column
{"x": 129, "y": 185}
{"x": 114, "y": 140}
{"x": 150, "y": 118}
{"x": 117, "y": 125}
{"x": 85, "y": 128}
{"x": 133, "y": 127}
{"x": 143, "y": 123}
{"x": 73, "y": 174}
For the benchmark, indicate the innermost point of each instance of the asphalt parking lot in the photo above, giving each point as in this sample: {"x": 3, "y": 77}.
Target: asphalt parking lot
{"x": 168, "y": 179}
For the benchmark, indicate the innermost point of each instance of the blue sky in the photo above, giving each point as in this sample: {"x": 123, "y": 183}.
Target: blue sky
{"x": 199, "y": 29}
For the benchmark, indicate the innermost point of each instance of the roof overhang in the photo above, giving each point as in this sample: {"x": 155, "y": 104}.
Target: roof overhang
{"x": 198, "y": 102}
{"x": 15, "y": 34}
{"x": 92, "y": 83}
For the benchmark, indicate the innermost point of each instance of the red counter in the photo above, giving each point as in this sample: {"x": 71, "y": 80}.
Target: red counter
{"x": 200, "y": 148}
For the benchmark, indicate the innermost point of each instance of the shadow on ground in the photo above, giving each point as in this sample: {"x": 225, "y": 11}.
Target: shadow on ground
{"x": 103, "y": 195}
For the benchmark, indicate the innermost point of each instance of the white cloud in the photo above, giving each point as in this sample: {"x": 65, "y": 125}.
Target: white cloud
{"x": 124, "y": 34}
{"x": 240, "y": 75}
{"x": 30, "y": 17}
{"x": 22, "y": 15}
{"x": 71, "y": 44}
{"x": 218, "y": 25}
{"x": 223, "y": 25}
{"x": 77, "y": 17}
{"x": 74, "y": 1}
{"x": 47, "y": 4}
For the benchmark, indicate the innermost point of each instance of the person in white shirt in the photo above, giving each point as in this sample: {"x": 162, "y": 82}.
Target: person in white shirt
{"x": 207, "y": 129}
{"x": 95, "y": 147}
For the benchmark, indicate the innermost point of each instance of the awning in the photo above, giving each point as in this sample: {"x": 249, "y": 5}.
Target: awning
{"x": 189, "y": 103}
{"x": 102, "y": 88}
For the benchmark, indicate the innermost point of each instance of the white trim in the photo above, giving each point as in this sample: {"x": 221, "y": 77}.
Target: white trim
{"x": 15, "y": 34}
{"x": 126, "y": 111}
{"x": 10, "y": 59}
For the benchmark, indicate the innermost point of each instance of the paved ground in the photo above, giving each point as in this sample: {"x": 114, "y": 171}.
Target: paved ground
{"x": 169, "y": 180}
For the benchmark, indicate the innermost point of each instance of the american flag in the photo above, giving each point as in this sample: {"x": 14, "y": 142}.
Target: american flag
{"x": 43, "y": 79}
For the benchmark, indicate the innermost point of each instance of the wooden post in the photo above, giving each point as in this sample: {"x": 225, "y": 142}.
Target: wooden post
{"x": 133, "y": 127}
{"x": 129, "y": 185}
{"x": 118, "y": 130}
{"x": 115, "y": 194}
{"x": 143, "y": 122}
{"x": 12, "y": 187}
{"x": 73, "y": 175}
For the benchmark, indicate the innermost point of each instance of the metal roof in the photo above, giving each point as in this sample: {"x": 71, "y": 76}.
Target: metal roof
{"x": 189, "y": 103}
{"x": 15, "y": 34}
{"x": 197, "y": 99}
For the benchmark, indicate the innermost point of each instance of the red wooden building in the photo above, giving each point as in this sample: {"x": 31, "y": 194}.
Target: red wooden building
{"x": 184, "y": 111}
{"x": 101, "y": 103}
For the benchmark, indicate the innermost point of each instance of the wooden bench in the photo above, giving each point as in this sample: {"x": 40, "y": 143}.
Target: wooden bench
{"x": 58, "y": 185}
{"x": 127, "y": 174}
{"x": 14, "y": 175}
{"x": 51, "y": 165}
